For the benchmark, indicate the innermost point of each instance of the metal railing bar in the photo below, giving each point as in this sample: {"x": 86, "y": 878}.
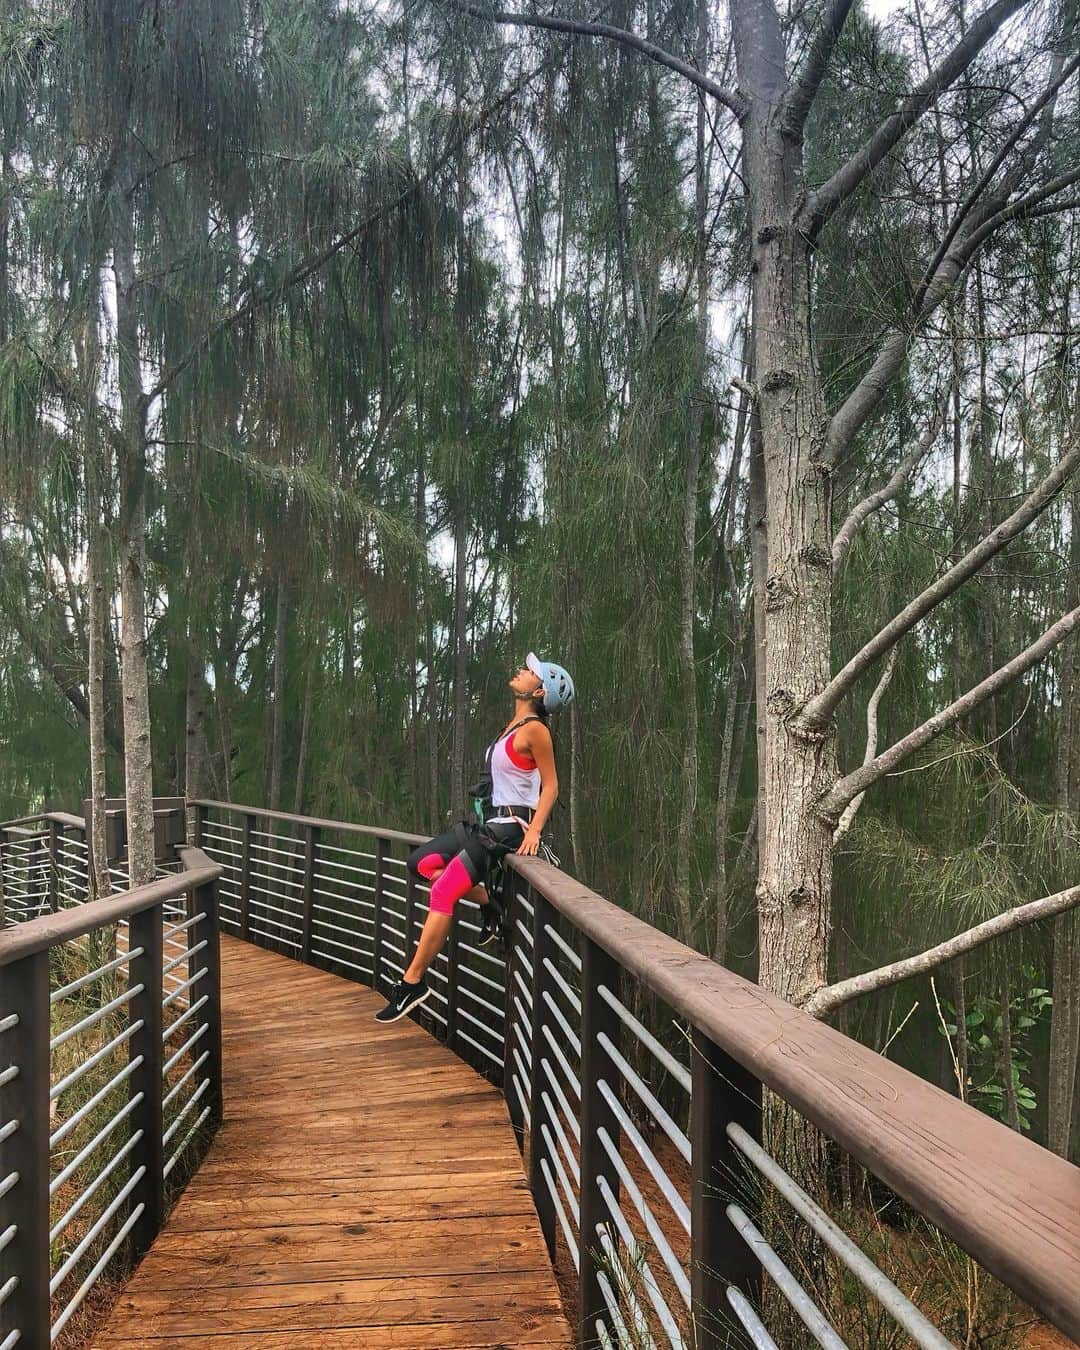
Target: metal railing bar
{"x": 92, "y": 1278}
{"x": 94, "y": 1185}
{"x": 464, "y": 1036}
{"x": 395, "y": 949}
{"x": 647, "y": 1096}
{"x": 167, "y": 1099}
{"x": 568, "y": 1153}
{"x": 181, "y": 988}
{"x": 95, "y": 1228}
{"x": 751, "y": 1323}
{"x": 564, "y": 1026}
{"x": 571, "y": 994}
{"x": 274, "y": 937}
{"x": 476, "y": 975}
{"x": 522, "y": 1033}
{"x": 523, "y": 1085}
{"x": 185, "y": 1017}
{"x": 365, "y": 919}
{"x": 74, "y": 1121}
{"x": 224, "y": 825}
{"x": 8, "y": 1288}
{"x": 521, "y": 1096}
{"x": 170, "y": 933}
{"x": 86, "y": 1150}
{"x": 340, "y": 960}
{"x": 441, "y": 997}
{"x": 7, "y": 1184}
{"x": 9, "y": 1074}
{"x": 477, "y": 998}
{"x": 349, "y": 867}
{"x": 81, "y": 1069}
{"x": 178, "y": 1120}
{"x": 397, "y": 932}
{"x": 92, "y": 1019}
{"x": 804, "y": 1306}
{"x": 189, "y": 952}
{"x": 357, "y": 935}
{"x": 612, "y": 1302}
{"x": 342, "y": 899}
{"x": 568, "y": 1232}
{"x": 648, "y": 1218}
{"x": 8, "y": 1130}
{"x": 439, "y": 973}
{"x": 476, "y": 1022}
{"x": 523, "y": 985}
{"x": 479, "y": 952}
{"x": 668, "y": 1060}
{"x": 274, "y": 895}
{"x": 563, "y": 946}
{"x": 185, "y": 1141}
{"x": 647, "y": 1156}
{"x": 437, "y": 1015}
{"x": 8, "y": 1235}
{"x": 520, "y": 926}
{"x": 637, "y": 1255}
{"x": 560, "y": 1096}
{"x": 637, "y": 1313}
{"x": 553, "y": 1156}
{"x": 179, "y": 1054}
{"x": 357, "y": 852}
{"x": 556, "y": 1049}
{"x": 921, "y": 1331}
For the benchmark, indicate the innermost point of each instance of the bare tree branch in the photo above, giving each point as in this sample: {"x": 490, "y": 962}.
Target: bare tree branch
{"x": 586, "y": 28}
{"x": 801, "y": 97}
{"x": 876, "y": 500}
{"x": 1023, "y": 206}
{"x": 850, "y": 811}
{"x": 821, "y": 707}
{"x": 848, "y": 787}
{"x": 1047, "y": 96}
{"x": 821, "y": 204}
{"x": 834, "y": 996}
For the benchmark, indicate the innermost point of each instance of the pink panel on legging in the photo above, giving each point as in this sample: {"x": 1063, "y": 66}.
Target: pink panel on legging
{"x": 451, "y": 886}
{"x": 430, "y": 864}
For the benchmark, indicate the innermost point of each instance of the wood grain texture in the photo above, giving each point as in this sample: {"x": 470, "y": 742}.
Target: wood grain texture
{"x": 364, "y": 1190}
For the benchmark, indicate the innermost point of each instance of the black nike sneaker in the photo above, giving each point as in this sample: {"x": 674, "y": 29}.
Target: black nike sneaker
{"x": 492, "y": 917}
{"x": 403, "y": 999}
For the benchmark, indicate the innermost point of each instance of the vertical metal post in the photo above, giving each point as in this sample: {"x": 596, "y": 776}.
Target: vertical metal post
{"x": 513, "y": 963}
{"x": 598, "y": 1019}
{"x": 410, "y": 915}
{"x": 199, "y": 828}
{"x": 54, "y": 866}
{"x": 721, "y": 1091}
{"x": 204, "y": 901}
{"x": 24, "y": 1202}
{"x": 380, "y": 890}
{"x": 248, "y": 821}
{"x": 145, "y": 931}
{"x": 543, "y": 914}
{"x": 312, "y": 835}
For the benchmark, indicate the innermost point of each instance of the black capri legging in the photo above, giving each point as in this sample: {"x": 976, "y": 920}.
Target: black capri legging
{"x": 456, "y": 860}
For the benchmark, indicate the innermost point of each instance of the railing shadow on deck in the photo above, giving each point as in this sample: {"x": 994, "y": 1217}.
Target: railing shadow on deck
{"x": 648, "y": 1188}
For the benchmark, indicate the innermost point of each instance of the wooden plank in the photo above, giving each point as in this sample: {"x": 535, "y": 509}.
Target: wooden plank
{"x": 364, "y": 1190}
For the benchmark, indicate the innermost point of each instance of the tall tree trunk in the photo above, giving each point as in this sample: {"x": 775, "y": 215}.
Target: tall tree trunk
{"x": 277, "y": 751}
{"x": 196, "y": 750}
{"x": 688, "y": 673}
{"x": 457, "y": 754}
{"x": 138, "y": 754}
{"x": 101, "y": 884}
{"x": 795, "y": 873}
{"x": 305, "y": 736}
{"x": 1065, "y": 963}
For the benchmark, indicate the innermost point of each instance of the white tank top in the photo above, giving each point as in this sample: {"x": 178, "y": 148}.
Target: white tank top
{"x": 515, "y": 781}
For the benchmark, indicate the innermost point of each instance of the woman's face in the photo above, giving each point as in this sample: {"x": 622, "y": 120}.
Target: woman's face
{"x": 525, "y": 683}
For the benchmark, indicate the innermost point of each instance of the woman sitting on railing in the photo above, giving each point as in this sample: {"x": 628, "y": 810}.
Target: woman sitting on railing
{"x": 514, "y": 800}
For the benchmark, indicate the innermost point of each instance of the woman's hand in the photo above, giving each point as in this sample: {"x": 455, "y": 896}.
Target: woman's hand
{"x": 531, "y": 843}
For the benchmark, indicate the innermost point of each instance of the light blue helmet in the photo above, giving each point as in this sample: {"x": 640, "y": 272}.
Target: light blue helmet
{"x": 558, "y": 686}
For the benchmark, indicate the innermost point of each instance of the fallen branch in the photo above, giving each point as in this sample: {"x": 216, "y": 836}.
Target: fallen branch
{"x": 833, "y": 996}
{"x": 844, "y": 824}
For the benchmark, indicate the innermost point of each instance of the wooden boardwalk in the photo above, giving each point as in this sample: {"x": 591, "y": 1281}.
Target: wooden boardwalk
{"x": 364, "y": 1190}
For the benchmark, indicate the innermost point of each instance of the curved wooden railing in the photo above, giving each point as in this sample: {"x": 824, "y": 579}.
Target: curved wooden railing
{"x": 641, "y": 1156}
{"x": 110, "y": 1071}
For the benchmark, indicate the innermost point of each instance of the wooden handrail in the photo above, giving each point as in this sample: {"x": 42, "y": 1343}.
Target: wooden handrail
{"x": 49, "y": 930}
{"x": 64, "y": 818}
{"x": 1011, "y": 1204}
{"x": 344, "y": 825}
